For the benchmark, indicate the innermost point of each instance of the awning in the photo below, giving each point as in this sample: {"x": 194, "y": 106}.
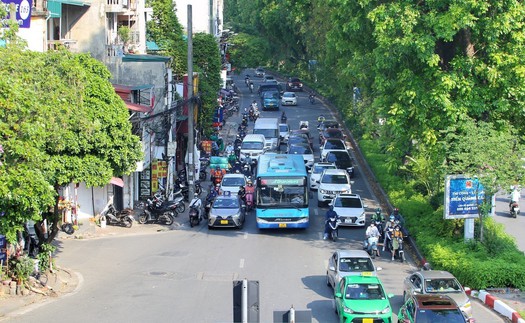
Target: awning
{"x": 117, "y": 181}
{"x": 145, "y": 58}
{"x": 138, "y": 107}
{"x": 74, "y": 2}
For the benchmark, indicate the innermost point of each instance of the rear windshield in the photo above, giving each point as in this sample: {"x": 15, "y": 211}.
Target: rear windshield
{"x": 446, "y": 316}
{"x": 334, "y": 144}
{"x": 332, "y": 157}
{"x": 348, "y": 202}
{"x": 319, "y": 169}
{"x": 233, "y": 181}
{"x": 300, "y": 150}
{"x": 267, "y": 133}
{"x": 252, "y": 145}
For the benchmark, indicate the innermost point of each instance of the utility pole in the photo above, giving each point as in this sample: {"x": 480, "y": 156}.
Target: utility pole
{"x": 210, "y": 13}
{"x": 191, "y": 106}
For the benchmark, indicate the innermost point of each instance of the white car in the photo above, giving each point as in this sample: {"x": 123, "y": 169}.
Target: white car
{"x": 332, "y": 145}
{"x": 332, "y": 183}
{"x": 289, "y": 98}
{"x": 260, "y": 72}
{"x": 305, "y": 150}
{"x": 284, "y": 132}
{"x": 350, "y": 209}
{"x": 316, "y": 171}
{"x": 232, "y": 183}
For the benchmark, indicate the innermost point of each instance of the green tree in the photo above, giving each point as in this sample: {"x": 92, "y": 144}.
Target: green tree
{"x": 165, "y": 29}
{"x": 207, "y": 61}
{"x": 61, "y": 122}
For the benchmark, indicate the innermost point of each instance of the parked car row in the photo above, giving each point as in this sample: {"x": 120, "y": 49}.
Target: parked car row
{"x": 359, "y": 295}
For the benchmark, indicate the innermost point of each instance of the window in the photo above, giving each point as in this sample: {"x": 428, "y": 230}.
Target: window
{"x": 334, "y": 179}
{"x": 334, "y": 144}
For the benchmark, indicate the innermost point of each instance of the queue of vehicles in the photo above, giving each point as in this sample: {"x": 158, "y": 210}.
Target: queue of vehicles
{"x": 282, "y": 185}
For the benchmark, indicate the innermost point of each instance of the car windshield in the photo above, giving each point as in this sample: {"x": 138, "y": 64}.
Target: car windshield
{"x": 348, "y": 202}
{"x": 355, "y": 265}
{"x": 318, "y": 169}
{"x": 334, "y": 179}
{"x": 233, "y": 181}
{"x": 295, "y": 79}
{"x": 333, "y": 157}
{"x": 441, "y": 285}
{"x": 334, "y": 144}
{"x": 288, "y": 95}
{"x": 294, "y": 139}
{"x": 441, "y": 316}
{"x": 295, "y": 149}
{"x": 283, "y": 128}
{"x": 226, "y": 203}
{"x": 364, "y": 291}
{"x": 252, "y": 145}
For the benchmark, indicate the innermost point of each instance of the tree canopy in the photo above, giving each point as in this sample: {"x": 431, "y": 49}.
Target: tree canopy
{"x": 61, "y": 122}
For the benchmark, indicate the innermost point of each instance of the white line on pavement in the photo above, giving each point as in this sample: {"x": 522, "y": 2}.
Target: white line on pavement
{"x": 245, "y": 236}
{"x": 241, "y": 264}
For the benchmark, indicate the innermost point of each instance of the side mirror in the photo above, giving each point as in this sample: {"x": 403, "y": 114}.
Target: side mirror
{"x": 390, "y": 295}
{"x": 364, "y": 205}
{"x": 338, "y": 295}
{"x": 332, "y": 268}
{"x": 417, "y": 290}
{"x": 379, "y": 268}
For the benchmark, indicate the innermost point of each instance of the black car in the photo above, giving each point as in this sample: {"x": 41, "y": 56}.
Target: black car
{"x": 331, "y": 133}
{"x": 342, "y": 160}
{"x": 294, "y": 84}
{"x": 328, "y": 124}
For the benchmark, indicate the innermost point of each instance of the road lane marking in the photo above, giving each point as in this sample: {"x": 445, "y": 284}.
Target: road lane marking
{"x": 241, "y": 264}
{"x": 245, "y": 236}
{"x": 316, "y": 212}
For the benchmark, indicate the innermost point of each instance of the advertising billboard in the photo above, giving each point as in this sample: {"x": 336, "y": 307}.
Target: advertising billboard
{"x": 462, "y": 195}
{"x": 22, "y": 10}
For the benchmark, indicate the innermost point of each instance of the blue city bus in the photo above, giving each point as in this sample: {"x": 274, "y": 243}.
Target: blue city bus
{"x": 282, "y": 192}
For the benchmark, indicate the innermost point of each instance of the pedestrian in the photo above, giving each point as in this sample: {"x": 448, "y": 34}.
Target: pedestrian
{"x": 254, "y": 166}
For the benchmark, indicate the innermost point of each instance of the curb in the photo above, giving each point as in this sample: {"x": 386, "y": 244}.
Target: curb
{"x": 496, "y": 305}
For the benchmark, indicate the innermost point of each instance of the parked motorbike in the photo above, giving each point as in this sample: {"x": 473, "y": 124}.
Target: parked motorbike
{"x": 114, "y": 217}
{"x": 514, "y": 209}
{"x": 164, "y": 214}
{"x": 195, "y": 218}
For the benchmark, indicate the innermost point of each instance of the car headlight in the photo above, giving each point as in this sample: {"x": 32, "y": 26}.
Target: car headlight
{"x": 350, "y": 169}
{"x": 386, "y": 310}
{"x": 322, "y": 191}
{"x": 362, "y": 215}
{"x": 347, "y": 310}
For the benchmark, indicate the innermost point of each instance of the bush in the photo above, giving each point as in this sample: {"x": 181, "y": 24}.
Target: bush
{"x": 22, "y": 267}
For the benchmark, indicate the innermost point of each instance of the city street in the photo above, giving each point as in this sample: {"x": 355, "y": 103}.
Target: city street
{"x": 186, "y": 274}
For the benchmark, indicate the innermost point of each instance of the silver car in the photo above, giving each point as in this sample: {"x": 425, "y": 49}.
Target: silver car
{"x": 349, "y": 263}
{"x": 227, "y": 211}
{"x": 437, "y": 282}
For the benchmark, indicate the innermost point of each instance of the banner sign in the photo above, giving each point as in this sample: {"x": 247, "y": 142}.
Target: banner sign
{"x": 462, "y": 196}
{"x": 23, "y": 12}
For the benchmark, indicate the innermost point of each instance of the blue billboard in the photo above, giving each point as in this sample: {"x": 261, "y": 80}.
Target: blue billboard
{"x": 22, "y": 10}
{"x": 462, "y": 196}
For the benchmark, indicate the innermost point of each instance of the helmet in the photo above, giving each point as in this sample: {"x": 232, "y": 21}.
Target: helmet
{"x": 392, "y": 218}
{"x": 218, "y": 167}
{"x": 195, "y": 194}
{"x": 217, "y": 185}
{"x": 397, "y": 228}
{"x": 249, "y": 182}
{"x": 396, "y": 211}
{"x": 378, "y": 210}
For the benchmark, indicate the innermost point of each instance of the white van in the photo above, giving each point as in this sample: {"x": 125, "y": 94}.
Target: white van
{"x": 269, "y": 128}
{"x": 252, "y": 145}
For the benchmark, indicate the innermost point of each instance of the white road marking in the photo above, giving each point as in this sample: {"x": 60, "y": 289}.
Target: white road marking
{"x": 245, "y": 236}
{"x": 241, "y": 264}
{"x": 316, "y": 212}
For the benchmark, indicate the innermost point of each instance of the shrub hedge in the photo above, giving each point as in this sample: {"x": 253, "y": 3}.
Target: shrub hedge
{"x": 496, "y": 262}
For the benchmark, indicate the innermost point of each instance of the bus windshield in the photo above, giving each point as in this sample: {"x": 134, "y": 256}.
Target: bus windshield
{"x": 291, "y": 194}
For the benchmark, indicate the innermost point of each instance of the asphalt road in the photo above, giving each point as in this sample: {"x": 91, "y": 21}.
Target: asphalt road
{"x": 186, "y": 274}
{"x": 513, "y": 226}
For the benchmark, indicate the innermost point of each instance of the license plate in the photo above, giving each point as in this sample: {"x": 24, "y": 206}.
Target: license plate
{"x": 282, "y": 225}
{"x": 348, "y": 221}
{"x": 224, "y": 221}
{"x": 366, "y": 273}
{"x": 368, "y": 320}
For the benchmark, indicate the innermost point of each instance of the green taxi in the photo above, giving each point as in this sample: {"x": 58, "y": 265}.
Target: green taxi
{"x": 362, "y": 299}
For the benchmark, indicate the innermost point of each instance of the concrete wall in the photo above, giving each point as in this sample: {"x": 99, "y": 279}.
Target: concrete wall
{"x": 36, "y": 35}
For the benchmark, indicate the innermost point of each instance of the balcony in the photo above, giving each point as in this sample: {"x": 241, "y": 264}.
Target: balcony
{"x": 117, "y": 6}
{"x": 56, "y": 44}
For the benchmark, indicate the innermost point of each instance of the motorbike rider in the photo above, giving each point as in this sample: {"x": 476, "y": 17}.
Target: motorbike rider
{"x": 283, "y": 117}
{"x": 229, "y": 149}
{"x": 246, "y": 171}
{"x": 247, "y": 79}
{"x": 331, "y": 219}
{"x": 237, "y": 142}
{"x": 248, "y": 162}
{"x": 514, "y": 196}
{"x": 251, "y": 87}
{"x": 214, "y": 148}
{"x": 311, "y": 97}
{"x": 320, "y": 120}
{"x": 242, "y": 194}
{"x": 236, "y": 168}
{"x": 232, "y": 158}
{"x": 196, "y": 203}
{"x": 372, "y": 232}
{"x": 378, "y": 218}
{"x": 217, "y": 174}
{"x": 396, "y": 233}
{"x": 250, "y": 190}
{"x": 389, "y": 225}
{"x": 254, "y": 106}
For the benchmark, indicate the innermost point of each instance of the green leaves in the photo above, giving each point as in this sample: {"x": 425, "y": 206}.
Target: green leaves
{"x": 61, "y": 122}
